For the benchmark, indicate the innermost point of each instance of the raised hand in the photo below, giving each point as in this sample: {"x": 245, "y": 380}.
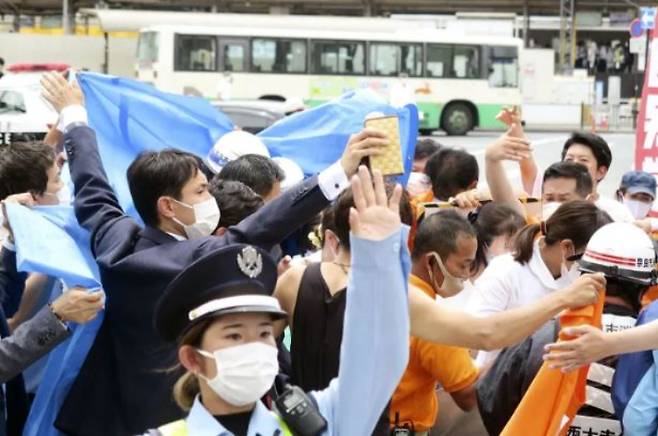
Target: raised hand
{"x": 374, "y": 216}
{"x": 508, "y": 147}
{"x": 368, "y": 142}
{"x": 511, "y": 118}
{"x": 59, "y": 92}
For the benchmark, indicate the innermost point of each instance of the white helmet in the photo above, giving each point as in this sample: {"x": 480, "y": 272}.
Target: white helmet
{"x": 292, "y": 171}
{"x": 231, "y": 146}
{"x": 623, "y": 251}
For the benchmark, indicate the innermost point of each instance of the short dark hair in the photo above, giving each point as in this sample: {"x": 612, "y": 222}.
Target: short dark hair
{"x": 425, "y": 148}
{"x": 236, "y": 201}
{"x": 156, "y": 173}
{"x": 439, "y": 232}
{"x": 345, "y": 202}
{"x": 574, "y": 171}
{"x": 599, "y": 147}
{"x": 494, "y": 220}
{"x": 258, "y": 172}
{"x": 451, "y": 171}
{"x": 2, "y": 61}
{"x": 24, "y": 168}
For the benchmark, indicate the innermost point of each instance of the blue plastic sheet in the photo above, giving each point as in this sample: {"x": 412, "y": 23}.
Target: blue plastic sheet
{"x": 316, "y": 138}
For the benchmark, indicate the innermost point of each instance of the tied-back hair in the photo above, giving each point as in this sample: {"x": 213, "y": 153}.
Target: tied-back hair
{"x": 187, "y": 386}
{"x": 574, "y": 220}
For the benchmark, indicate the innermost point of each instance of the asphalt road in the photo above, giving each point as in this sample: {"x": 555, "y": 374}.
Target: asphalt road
{"x": 547, "y": 149}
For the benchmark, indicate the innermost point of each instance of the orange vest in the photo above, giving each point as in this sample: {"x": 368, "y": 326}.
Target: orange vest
{"x": 553, "y": 398}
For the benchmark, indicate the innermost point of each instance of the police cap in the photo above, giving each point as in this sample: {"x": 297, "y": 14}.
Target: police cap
{"x": 234, "y": 279}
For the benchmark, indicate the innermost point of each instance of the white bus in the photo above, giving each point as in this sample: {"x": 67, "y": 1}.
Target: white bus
{"x": 458, "y": 82}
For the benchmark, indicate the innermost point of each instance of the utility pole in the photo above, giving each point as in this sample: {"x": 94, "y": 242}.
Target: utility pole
{"x": 567, "y": 35}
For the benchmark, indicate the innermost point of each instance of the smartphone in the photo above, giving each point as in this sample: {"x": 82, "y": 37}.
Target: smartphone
{"x": 390, "y": 161}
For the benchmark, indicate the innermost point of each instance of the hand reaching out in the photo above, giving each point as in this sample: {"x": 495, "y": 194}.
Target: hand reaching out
{"x": 60, "y": 93}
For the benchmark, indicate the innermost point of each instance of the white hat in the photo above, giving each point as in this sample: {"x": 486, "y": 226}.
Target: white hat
{"x": 233, "y": 145}
{"x": 621, "y": 250}
{"x": 294, "y": 173}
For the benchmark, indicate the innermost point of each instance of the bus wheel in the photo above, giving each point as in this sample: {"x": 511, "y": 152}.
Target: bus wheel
{"x": 457, "y": 119}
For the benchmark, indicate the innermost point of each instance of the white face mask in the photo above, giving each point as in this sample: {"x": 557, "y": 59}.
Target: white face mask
{"x": 244, "y": 372}
{"x": 451, "y": 285}
{"x": 548, "y": 209}
{"x": 639, "y": 209}
{"x": 206, "y": 218}
{"x": 63, "y": 196}
{"x": 418, "y": 183}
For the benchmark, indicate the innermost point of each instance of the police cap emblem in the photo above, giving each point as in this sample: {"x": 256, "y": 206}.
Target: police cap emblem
{"x": 250, "y": 262}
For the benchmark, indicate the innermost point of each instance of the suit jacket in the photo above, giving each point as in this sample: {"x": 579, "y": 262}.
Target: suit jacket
{"x": 14, "y": 399}
{"x": 30, "y": 341}
{"x": 124, "y": 387}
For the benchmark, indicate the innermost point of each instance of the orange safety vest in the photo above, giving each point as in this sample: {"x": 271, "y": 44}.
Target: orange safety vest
{"x": 554, "y": 398}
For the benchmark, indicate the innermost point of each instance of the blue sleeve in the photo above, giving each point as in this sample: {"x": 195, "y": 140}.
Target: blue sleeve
{"x": 375, "y": 344}
{"x": 641, "y": 414}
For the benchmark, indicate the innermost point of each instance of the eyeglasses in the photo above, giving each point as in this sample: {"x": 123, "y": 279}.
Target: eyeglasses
{"x": 575, "y": 257}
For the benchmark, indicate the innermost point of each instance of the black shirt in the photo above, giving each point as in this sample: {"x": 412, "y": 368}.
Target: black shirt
{"x": 237, "y": 423}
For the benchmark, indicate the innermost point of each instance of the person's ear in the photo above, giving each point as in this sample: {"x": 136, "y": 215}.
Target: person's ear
{"x": 221, "y": 231}
{"x": 473, "y": 185}
{"x": 568, "y": 248}
{"x": 165, "y": 206}
{"x": 601, "y": 172}
{"x": 190, "y": 359}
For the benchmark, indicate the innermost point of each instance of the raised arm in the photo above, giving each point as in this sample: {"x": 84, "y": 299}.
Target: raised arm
{"x": 442, "y": 324}
{"x": 527, "y": 165}
{"x": 96, "y": 205}
{"x": 375, "y": 344}
{"x": 506, "y": 147}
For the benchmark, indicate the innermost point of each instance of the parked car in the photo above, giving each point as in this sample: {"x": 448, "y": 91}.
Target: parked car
{"x": 254, "y": 115}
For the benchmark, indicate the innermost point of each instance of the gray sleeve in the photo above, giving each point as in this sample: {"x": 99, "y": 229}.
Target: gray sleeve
{"x": 29, "y": 342}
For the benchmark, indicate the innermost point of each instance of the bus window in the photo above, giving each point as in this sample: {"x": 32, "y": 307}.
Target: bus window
{"x": 278, "y": 56}
{"x": 438, "y": 60}
{"x": 147, "y": 48}
{"x": 234, "y": 55}
{"x": 392, "y": 59}
{"x": 384, "y": 59}
{"x": 337, "y": 57}
{"x": 412, "y": 60}
{"x": 195, "y": 53}
{"x": 503, "y": 67}
{"x": 466, "y": 62}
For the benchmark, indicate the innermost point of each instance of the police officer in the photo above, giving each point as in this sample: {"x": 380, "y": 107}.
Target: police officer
{"x": 224, "y": 327}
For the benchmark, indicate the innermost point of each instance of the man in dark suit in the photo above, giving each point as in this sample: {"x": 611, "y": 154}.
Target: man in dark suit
{"x": 123, "y": 387}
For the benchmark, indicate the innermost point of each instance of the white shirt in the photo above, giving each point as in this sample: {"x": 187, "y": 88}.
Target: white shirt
{"x": 461, "y": 300}
{"x": 617, "y": 211}
{"x": 507, "y": 284}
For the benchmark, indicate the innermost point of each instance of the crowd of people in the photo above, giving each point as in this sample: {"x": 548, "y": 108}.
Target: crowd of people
{"x": 254, "y": 301}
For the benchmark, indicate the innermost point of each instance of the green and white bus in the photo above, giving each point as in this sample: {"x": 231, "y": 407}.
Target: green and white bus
{"x": 458, "y": 82}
